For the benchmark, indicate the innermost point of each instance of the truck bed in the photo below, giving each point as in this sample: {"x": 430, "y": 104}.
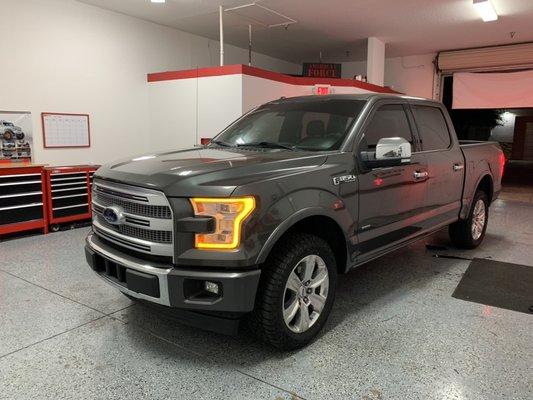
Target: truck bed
{"x": 481, "y": 157}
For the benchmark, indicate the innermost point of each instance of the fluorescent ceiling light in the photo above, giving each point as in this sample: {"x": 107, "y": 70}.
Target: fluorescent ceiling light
{"x": 486, "y": 10}
{"x": 157, "y": 1}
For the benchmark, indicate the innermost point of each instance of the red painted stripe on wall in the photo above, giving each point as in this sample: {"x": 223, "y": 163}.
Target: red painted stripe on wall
{"x": 261, "y": 73}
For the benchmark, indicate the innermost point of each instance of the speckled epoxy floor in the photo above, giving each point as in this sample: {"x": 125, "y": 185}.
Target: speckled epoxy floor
{"x": 394, "y": 333}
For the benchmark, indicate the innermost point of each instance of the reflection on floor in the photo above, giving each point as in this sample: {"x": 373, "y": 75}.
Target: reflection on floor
{"x": 395, "y": 332}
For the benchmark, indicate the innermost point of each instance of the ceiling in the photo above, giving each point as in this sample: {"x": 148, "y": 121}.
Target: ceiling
{"x": 338, "y": 28}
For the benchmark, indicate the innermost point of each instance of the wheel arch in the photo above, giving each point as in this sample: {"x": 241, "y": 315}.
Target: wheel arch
{"x": 484, "y": 182}
{"x": 315, "y": 221}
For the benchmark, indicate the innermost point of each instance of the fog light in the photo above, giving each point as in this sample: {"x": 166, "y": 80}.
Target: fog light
{"x": 211, "y": 287}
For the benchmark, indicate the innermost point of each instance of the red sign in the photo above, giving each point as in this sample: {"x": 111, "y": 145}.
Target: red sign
{"x": 321, "y": 70}
{"x": 322, "y": 90}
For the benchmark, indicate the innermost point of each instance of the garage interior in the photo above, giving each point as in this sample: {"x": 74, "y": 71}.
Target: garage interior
{"x": 131, "y": 78}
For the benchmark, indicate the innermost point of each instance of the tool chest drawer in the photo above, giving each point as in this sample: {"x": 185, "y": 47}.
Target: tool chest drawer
{"x": 22, "y": 198}
{"x": 69, "y": 193}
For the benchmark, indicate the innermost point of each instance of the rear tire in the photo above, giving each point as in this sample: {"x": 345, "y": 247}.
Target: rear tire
{"x": 296, "y": 292}
{"x": 469, "y": 233}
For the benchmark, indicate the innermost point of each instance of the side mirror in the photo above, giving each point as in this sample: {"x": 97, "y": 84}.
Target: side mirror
{"x": 389, "y": 152}
{"x": 394, "y": 148}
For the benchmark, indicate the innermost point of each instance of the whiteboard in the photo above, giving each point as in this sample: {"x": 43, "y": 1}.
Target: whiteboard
{"x": 66, "y": 130}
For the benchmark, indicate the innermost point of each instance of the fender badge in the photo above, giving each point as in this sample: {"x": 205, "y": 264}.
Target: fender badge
{"x": 337, "y": 180}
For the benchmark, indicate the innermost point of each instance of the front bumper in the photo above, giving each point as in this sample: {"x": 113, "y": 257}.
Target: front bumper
{"x": 169, "y": 286}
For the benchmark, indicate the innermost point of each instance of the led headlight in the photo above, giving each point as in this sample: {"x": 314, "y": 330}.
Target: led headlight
{"x": 229, "y": 214}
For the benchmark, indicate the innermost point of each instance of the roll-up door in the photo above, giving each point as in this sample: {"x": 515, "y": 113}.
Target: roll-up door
{"x": 516, "y": 56}
{"x": 493, "y": 90}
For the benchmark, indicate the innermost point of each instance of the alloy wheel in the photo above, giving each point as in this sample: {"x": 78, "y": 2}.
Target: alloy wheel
{"x": 306, "y": 292}
{"x": 478, "y": 219}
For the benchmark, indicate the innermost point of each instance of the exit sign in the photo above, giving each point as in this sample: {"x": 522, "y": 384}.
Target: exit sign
{"x": 322, "y": 90}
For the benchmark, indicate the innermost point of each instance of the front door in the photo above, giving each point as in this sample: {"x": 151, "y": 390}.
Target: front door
{"x": 391, "y": 199}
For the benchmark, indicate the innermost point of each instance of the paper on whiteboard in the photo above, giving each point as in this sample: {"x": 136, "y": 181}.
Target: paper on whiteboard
{"x": 66, "y": 130}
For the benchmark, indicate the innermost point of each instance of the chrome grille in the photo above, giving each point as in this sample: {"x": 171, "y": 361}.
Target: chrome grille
{"x": 146, "y": 218}
{"x": 125, "y": 243}
{"x": 139, "y": 233}
{"x": 105, "y": 199}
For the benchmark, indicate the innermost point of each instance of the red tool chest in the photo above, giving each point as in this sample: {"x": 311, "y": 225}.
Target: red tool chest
{"x": 69, "y": 193}
{"x": 22, "y": 198}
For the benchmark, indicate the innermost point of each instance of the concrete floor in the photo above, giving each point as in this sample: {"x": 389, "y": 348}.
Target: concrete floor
{"x": 395, "y": 332}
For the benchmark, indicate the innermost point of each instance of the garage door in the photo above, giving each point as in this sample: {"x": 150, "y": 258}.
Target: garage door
{"x": 498, "y": 58}
{"x": 490, "y": 77}
{"x": 493, "y": 89}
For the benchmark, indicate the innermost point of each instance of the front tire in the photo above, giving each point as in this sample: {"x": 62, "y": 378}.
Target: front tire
{"x": 296, "y": 292}
{"x": 469, "y": 233}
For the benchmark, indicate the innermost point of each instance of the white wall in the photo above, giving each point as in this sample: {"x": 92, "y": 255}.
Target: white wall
{"x": 66, "y": 56}
{"x": 257, "y": 91}
{"x": 375, "y": 61}
{"x": 172, "y": 116}
{"x": 219, "y": 103}
{"x": 353, "y": 68}
{"x": 182, "y": 111}
{"x": 411, "y": 75}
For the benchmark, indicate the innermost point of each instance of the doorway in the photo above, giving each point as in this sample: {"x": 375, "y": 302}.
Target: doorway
{"x": 523, "y": 139}
{"x": 511, "y": 128}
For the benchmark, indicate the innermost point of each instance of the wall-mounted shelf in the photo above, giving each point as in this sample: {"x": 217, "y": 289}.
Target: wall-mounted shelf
{"x": 22, "y": 199}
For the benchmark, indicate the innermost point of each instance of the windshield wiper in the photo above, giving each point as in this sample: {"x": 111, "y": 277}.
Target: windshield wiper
{"x": 264, "y": 144}
{"x": 220, "y": 143}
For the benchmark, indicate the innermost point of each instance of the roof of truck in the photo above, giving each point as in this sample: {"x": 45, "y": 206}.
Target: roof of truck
{"x": 359, "y": 96}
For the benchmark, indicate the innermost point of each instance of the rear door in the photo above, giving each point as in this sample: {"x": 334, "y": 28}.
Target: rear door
{"x": 445, "y": 163}
{"x": 391, "y": 199}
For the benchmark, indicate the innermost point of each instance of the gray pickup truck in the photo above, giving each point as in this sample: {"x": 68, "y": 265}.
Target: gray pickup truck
{"x": 257, "y": 225}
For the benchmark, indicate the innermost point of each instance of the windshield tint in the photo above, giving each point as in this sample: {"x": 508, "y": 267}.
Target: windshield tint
{"x": 313, "y": 125}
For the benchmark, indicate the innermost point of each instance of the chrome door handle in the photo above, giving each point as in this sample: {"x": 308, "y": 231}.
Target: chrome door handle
{"x": 420, "y": 174}
{"x": 458, "y": 167}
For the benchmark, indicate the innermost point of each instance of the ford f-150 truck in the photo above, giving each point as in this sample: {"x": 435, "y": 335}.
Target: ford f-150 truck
{"x": 258, "y": 225}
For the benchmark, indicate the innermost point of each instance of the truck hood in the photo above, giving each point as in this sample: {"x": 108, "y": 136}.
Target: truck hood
{"x": 207, "y": 171}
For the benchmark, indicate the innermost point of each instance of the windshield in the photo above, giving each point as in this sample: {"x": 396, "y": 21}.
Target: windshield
{"x": 313, "y": 125}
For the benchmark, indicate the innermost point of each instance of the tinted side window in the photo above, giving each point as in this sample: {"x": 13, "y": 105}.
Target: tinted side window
{"x": 388, "y": 121}
{"x": 432, "y": 126}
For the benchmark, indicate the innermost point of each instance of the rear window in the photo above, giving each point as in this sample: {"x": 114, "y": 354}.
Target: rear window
{"x": 432, "y": 127}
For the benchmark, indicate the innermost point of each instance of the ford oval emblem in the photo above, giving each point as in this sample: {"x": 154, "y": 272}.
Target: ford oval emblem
{"x": 113, "y": 215}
